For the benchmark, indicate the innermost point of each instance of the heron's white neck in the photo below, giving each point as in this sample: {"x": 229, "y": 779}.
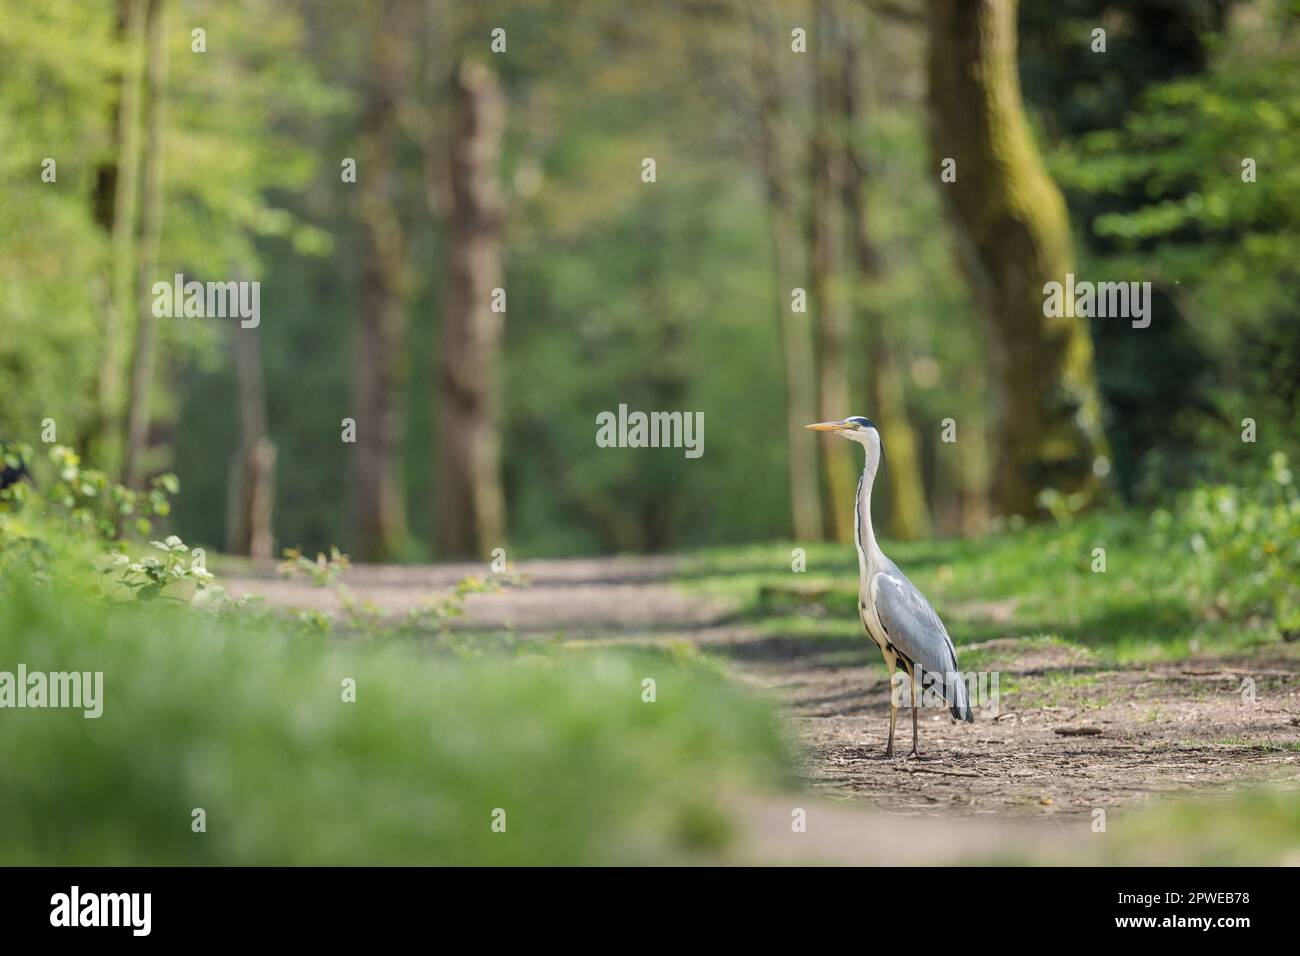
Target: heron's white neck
{"x": 870, "y": 557}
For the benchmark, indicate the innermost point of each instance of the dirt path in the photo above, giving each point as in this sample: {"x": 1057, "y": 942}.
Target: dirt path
{"x": 1070, "y": 738}
{"x": 1168, "y": 729}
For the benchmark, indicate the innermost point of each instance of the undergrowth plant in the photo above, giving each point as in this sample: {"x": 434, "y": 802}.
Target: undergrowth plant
{"x": 432, "y": 617}
{"x": 73, "y": 520}
{"x": 1246, "y": 543}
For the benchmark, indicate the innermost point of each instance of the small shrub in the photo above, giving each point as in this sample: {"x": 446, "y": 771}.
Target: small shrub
{"x": 1246, "y": 545}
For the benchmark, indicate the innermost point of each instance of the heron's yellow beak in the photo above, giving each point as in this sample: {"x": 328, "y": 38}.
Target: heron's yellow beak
{"x": 830, "y": 426}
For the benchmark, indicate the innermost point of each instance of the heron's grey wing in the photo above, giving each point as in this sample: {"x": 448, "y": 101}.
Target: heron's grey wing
{"x": 914, "y": 628}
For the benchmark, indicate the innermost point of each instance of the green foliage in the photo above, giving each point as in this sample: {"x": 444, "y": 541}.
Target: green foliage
{"x": 322, "y": 572}
{"x": 54, "y": 104}
{"x": 436, "y": 614}
{"x": 78, "y": 510}
{"x": 1186, "y": 147}
{"x": 431, "y": 618}
{"x": 1166, "y": 197}
{"x": 1247, "y": 545}
{"x": 82, "y": 523}
{"x": 145, "y": 579}
{"x": 87, "y": 499}
{"x": 227, "y": 152}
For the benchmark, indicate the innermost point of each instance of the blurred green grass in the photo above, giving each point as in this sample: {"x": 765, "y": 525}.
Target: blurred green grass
{"x": 235, "y": 718}
{"x": 1260, "y": 828}
{"x": 1033, "y": 583}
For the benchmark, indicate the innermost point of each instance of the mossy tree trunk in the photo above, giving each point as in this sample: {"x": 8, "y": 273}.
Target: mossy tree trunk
{"x": 1014, "y": 237}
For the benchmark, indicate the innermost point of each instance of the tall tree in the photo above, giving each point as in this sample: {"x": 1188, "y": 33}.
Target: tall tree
{"x": 471, "y": 504}
{"x": 909, "y": 517}
{"x": 151, "y": 215}
{"x": 825, "y": 240}
{"x": 116, "y": 193}
{"x": 1015, "y": 231}
{"x": 378, "y": 501}
{"x": 773, "y": 150}
{"x": 252, "y": 477}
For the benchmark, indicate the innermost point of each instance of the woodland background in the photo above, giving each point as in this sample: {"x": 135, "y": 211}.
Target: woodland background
{"x": 522, "y": 170}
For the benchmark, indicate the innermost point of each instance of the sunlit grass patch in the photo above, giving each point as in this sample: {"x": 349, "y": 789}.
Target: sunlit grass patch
{"x": 1145, "y": 607}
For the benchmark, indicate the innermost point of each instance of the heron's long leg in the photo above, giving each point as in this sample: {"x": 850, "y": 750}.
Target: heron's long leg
{"x": 911, "y": 677}
{"x": 891, "y": 663}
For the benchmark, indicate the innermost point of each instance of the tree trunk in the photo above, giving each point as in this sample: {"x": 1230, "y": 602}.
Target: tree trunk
{"x": 378, "y": 502}
{"x": 796, "y": 332}
{"x": 909, "y": 517}
{"x": 824, "y": 240}
{"x": 471, "y": 504}
{"x": 253, "y": 468}
{"x": 115, "y": 203}
{"x": 151, "y": 213}
{"x": 1014, "y": 228}
{"x": 973, "y": 487}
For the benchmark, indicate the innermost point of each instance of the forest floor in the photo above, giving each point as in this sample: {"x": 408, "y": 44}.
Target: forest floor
{"x": 1077, "y": 729}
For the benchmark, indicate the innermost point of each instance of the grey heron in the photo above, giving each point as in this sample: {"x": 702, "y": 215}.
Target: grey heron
{"x": 894, "y": 612}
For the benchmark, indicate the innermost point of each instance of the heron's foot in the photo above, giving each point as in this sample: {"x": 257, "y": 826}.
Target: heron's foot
{"x": 915, "y": 753}
{"x": 889, "y": 750}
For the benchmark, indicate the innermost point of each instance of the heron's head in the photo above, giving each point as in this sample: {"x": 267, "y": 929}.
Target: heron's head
{"x": 857, "y": 428}
{"x": 861, "y": 430}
